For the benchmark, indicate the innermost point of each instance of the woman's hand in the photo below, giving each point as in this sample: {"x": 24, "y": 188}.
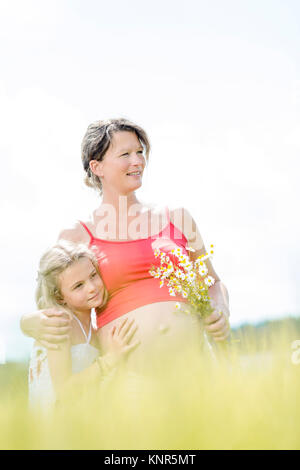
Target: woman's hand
{"x": 217, "y": 323}
{"x": 120, "y": 343}
{"x": 49, "y": 327}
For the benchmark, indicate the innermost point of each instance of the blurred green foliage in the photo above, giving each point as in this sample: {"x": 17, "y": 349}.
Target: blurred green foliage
{"x": 246, "y": 398}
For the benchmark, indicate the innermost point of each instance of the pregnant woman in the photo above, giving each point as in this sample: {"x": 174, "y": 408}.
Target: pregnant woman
{"x": 124, "y": 233}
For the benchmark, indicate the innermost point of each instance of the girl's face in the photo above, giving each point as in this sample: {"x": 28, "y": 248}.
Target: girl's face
{"x": 81, "y": 286}
{"x": 122, "y": 167}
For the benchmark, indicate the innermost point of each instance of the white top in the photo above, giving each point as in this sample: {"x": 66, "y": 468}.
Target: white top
{"x": 41, "y": 390}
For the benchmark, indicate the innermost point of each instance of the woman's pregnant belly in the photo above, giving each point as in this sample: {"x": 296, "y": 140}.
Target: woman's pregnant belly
{"x": 163, "y": 331}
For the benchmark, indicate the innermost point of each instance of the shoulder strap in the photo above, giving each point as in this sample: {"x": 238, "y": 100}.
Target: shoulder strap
{"x": 88, "y": 231}
{"x": 87, "y": 336}
{"x": 168, "y": 214}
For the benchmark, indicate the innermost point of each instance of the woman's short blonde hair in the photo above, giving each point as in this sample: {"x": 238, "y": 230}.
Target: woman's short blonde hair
{"x": 53, "y": 262}
{"x": 96, "y": 142}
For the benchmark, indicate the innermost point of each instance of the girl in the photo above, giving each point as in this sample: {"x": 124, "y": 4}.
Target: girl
{"x": 69, "y": 277}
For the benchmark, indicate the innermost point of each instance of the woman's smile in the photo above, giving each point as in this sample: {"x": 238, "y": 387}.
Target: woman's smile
{"x": 135, "y": 174}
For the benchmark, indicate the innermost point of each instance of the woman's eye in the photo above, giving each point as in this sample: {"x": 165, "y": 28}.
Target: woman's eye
{"x": 94, "y": 274}
{"x": 124, "y": 154}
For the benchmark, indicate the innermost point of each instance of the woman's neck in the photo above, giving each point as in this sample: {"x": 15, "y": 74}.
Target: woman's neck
{"x": 120, "y": 202}
{"x": 112, "y": 218}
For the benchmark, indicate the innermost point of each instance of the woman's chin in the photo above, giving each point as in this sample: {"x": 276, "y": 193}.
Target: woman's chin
{"x": 135, "y": 184}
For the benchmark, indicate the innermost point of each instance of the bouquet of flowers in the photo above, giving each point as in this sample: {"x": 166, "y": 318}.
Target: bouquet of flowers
{"x": 188, "y": 278}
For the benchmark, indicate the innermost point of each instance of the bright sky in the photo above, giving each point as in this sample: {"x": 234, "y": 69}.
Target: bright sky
{"x": 215, "y": 84}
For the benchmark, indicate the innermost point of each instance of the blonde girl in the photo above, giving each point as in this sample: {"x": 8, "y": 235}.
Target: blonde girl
{"x": 69, "y": 279}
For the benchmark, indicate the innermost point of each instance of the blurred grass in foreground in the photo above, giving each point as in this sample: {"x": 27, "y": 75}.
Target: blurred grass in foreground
{"x": 247, "y": 399}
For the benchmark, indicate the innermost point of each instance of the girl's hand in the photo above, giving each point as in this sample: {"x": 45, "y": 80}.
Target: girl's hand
{"x": 120, "y": 343}
{"x": 49, "y": 327}
{"x": 217, "y": 323}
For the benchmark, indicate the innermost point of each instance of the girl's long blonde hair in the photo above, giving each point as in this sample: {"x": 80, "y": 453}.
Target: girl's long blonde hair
{"x": 52, "y": 264}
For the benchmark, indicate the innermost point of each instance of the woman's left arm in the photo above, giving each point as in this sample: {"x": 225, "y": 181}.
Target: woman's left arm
{"x": 216, "y": 324}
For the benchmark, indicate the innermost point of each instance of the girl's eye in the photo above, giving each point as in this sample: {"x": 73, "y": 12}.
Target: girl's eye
{"x": 94, "y": 274}
{"x": 124, "y": 154}
{"x": 78, "y": 285}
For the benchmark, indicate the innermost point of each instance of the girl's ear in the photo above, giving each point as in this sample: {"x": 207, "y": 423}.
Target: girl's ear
{"x": 58, "y": 297}
{"x": 96, "y": 167}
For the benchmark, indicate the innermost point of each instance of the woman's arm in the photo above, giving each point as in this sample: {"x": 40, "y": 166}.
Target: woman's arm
{"x": 49, "y": 326}
{"x": 216, "y": 324}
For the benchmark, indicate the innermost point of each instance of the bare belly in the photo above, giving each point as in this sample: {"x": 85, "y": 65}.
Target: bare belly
{"x": 162, "y": 331}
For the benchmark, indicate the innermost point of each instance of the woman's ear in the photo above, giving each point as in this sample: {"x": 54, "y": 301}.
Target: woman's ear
{"x": 96, "y": 168}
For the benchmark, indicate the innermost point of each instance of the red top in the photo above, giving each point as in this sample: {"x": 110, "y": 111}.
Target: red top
{"x": 124, "y": 267}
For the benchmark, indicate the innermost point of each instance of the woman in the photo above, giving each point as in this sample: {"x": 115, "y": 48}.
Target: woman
{"x": 125, "y": 232}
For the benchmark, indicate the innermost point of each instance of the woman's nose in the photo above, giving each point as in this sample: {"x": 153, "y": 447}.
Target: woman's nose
{"x": 137, "y": 159}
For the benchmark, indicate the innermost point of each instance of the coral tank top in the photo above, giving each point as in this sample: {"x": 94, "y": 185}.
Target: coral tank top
{"x": 125, "y": 265}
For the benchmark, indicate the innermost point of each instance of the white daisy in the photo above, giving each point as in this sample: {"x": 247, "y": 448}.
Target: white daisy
{"x": 172, "y": 292}
{"x": 203, "y": 270}
{"x": 209, "y": 281}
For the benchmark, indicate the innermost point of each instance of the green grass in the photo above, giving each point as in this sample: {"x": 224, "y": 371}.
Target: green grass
{"x": 247, "y": 399}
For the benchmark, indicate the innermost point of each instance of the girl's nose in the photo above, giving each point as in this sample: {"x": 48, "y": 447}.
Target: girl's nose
{"x": 91, "y": 287}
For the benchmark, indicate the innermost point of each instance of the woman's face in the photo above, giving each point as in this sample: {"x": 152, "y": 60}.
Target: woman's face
{"x": 81, "y": 286}
{"x": 123, "y": 164}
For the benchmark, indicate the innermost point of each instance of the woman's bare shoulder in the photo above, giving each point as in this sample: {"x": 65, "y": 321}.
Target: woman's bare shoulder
{"x": 178, "y": 214}
{"x": 75, "y": 233}
{"x": 184, "y": 221}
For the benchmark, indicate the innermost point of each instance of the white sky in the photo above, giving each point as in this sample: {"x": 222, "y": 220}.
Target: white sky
{"x": 215, "y": 84}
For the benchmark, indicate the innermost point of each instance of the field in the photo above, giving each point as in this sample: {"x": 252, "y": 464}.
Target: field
{"x": 246, "y": 397}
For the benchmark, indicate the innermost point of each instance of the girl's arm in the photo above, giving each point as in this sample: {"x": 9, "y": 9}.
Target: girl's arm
{"x": 60, "y": 365}
{"x": 64, "y": 382}
{"x": 120, "y": 343}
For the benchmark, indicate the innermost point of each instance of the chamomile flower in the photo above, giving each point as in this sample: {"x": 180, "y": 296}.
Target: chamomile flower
{"x": 189, "y": 266}
{"x": 202, "y": 270}
{"x": 178, "y": 273}
{"x": 203, "y": 258}
{"x": 191, "y": 276}
{"x": 209, "y": 281}
{"x": 186, "y": 277}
